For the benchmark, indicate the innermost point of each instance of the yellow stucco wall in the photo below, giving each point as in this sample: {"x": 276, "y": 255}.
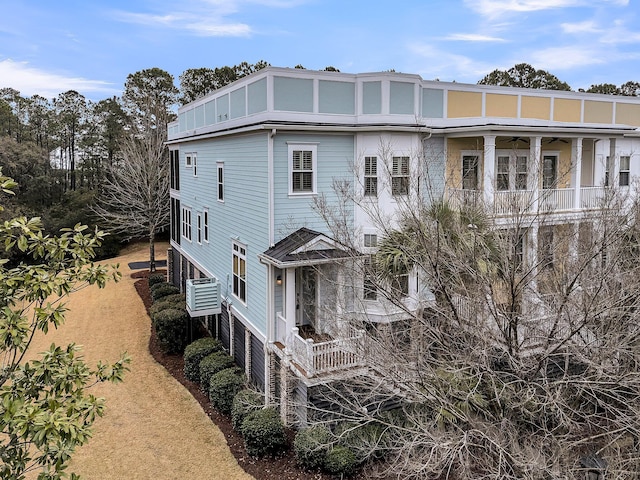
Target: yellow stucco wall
{"x": 464, "y": 104}
{"x": 498, "y": 105}
{"x": 535, "y": 107}
{"x": 455, "y": 147}
{"x": 628, "y": 114}
{"x": 566, "y": 110}
{"x": 598, "y": 112}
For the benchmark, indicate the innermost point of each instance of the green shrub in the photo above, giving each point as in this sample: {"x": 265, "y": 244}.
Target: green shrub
{"x": 176, "y": 300}
{"x": 211, "y": 364}
{"x": 263, "y": 433}
{"x": 195, "y": 352}
{"x": 363, "y": 440}
{"x": 171, "y": 329}
{"x": 245, "y": 402}
{"x": 223, "y": 386}
{"x": 155, "y": 278}
{"x": 160, "y": 290}
{"x": 311, "y": 446}
{"x": 341, "y": 461}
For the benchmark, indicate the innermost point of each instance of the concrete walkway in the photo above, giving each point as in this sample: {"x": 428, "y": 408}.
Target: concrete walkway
{"x": 153, "y": 428}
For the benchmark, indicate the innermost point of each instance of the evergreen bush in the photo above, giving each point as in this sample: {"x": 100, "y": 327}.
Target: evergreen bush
{"x": 156, "y": 278}
{"x": 175, "y": 300}
{"x": 171, "y": 329}
{"x": 211, "y": 364}
{"x": 311, "y": 446}
{"x": 263, "y": 433}
{"x": 245, "y": 402}
{"x": 223, "y": 386}
{"x": 195, "y": 352}
{"x": 160, "y": 290}
{"x": 341, "y": 461}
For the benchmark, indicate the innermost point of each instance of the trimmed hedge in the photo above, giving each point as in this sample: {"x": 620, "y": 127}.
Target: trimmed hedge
{"x": 160, "y": 290}
{"x": 311, "y": 446}
{"x": 176, "y": 300}
{"x": 263, "y": 433}
{"x": 171, "y": 329}
{"x": 211, "y": 364}
{"x": 223, "y": 386}
{"x": 156, "y": 278}
{"x": 244, "y": 403}
{"x": 341, "y": 461}
{"x": 195, "y": 352}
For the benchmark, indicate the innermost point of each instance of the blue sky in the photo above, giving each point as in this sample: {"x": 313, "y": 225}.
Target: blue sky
{"x": 48, "y": 47}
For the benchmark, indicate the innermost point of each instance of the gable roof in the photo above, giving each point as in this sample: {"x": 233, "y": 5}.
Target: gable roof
{"x": 304, "y": 246}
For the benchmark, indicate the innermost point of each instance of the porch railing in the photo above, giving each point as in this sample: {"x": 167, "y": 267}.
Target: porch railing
{"x": 591, "y": 197}
{"x": 557, "y": 199}
{"x": 281, "y": 328}
{"x": 330, "y": 356}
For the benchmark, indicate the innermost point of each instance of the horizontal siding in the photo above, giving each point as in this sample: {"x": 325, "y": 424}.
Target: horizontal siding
{"x": 243, "y": 215}
{"x": 257, "y": 362}
{"x": 335, "y": 160}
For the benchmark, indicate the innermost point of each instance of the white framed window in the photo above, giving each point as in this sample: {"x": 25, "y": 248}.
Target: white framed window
{"x": 199, "y": 228}
{"x": 400, "y": 176}
{"x": 186, "y": 223}
{"x": 371, "y": 176}
{"x": 239, "y": 267}
{"x": 370, "y": 240}
{"x": 625, "y": 166}
{"x": 302, "y": 168}
{"x": 220, "y": 182}
{"x": 511, "y": 173}
{"x": 205, "y": 225}
{"x": 470, "y": 172}
{"x": 191, "y": 161}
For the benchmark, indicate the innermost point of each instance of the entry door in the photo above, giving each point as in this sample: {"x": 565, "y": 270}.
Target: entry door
{"x": 549, "y": 171}
{"x": 306, "y": 282}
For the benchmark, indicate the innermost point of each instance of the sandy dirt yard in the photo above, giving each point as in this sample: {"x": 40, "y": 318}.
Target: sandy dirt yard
{"x": 153, "y": 428}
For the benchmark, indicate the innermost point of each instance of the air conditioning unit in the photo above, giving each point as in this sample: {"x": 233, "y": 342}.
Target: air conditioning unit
{"x": 203, "y": 296}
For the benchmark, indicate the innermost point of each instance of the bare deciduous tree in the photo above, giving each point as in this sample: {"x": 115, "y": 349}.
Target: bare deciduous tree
{"x": 520, "y": 358}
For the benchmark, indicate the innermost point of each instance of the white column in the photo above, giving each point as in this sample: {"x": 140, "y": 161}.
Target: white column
{"x": 489, "y": 166}
{"x": 534, "y": 182}
{"x": 576, "y": 170}
{"x": 290, "y": 299}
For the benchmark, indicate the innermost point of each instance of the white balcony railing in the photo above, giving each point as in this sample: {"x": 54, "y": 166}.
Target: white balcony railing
{"x": 591, "y": 197}
{"x": 557, "y": 199}
{"x": 325, "y": 357}
{"x": 281, "y": 328}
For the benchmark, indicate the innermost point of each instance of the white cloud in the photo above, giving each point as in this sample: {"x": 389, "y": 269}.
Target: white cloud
{"x": 496, "y": 8}
{"x": 567, "y": 58}
{"x": 588, "y": 26}
{"x": 30, "y": 81}
{"x": 447, "y": 66}
{"x": 473, "y": 37}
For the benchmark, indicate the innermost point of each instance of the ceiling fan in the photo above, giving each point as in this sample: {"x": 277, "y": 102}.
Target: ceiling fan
{"x": 519, "y": 139}
{"x": 557, "y": 139}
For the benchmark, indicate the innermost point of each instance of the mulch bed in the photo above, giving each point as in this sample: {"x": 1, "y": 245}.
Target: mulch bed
{"x": 283, "y": 467}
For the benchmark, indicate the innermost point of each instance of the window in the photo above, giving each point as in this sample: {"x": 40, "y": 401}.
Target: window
{"x": 186, "y": 223}
{"x": 220, "y": 182}
{"x": 240, "y": 272}
{"x": 517, "y": 241}
{"x": 470, "y": 172}
{"x": 302, "y": 160}
{"x": 191, "y": 161}
{"x": 545, "y": 247}
{"x": 549, "y": 171}
{"x": 623, "y": 179}
{"x": 400, "y": 176}
{"x": 370, "y": 291}
{"x": 205, "y": 227}
{"x": 370, "y": 240}
{"x": 508, "y": 177}
{"x": 400, "y": 284}
{"x": 502, "y": 173}
{"x": 175, "y": 169}
{"x": 371, "y": 176}
{"x": 199, "y": 227}
{"x": 175, "y": 220}
{"x": 606, "y": 171}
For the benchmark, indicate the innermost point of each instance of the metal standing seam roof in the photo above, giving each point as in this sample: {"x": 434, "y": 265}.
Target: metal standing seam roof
{"x": 283, "y": 251}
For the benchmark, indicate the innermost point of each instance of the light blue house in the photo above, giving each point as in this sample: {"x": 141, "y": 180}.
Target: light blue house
{"x": 256, "y": 163}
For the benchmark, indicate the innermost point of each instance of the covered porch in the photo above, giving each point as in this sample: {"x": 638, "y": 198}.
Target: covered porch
{"x": 310, "y": 295}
